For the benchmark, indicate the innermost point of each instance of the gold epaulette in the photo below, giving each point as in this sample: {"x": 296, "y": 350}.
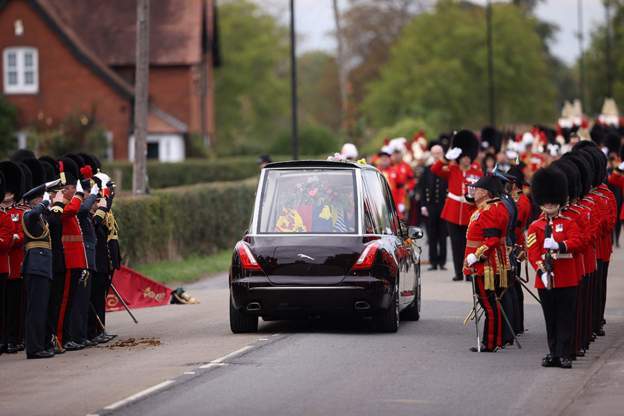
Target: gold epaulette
{"x": 479, "y": 252}
{"x": 531, "y": 239}
{"x": 57, "y": 209}
{"x": 100, "y": 213}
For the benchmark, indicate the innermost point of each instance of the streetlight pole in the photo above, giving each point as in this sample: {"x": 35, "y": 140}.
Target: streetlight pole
{"x": 492, "y": 104}
{"x": 581, "y": 37}
{"x": 608, "y": 63}
{"x": 293, "y": 83}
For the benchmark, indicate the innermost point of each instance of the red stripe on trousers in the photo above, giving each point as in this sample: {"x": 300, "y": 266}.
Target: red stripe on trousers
{"x": 489, "y": 312}
{"x": 63, "y": 310}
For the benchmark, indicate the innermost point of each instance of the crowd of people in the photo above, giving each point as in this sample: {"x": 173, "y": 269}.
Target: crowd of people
{"x": 548, "y": 197}
{"x": 58, "y": 251}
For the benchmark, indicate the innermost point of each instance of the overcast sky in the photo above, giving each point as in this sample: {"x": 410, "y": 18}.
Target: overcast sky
{"x": 315, "y": 21}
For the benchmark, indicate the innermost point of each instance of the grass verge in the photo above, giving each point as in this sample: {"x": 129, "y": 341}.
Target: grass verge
{"x": 187, "y": 270}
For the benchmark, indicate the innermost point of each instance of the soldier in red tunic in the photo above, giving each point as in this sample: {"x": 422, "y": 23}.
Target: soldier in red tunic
{"x": 553, "y": 240}
{"x": 484, "y": 257}
{"x": 460, "y": 171}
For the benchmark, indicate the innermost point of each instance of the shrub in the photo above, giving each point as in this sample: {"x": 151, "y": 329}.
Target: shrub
{"x": 181, "y": 222}
{"x": 8, "y": 125}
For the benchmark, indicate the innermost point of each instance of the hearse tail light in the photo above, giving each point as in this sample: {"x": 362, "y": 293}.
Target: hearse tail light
{"x": 247, "y": 259}
{"x": 367, "y": 258}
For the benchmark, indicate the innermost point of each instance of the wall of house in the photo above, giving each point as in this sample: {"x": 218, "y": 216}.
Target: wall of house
{"x": 171, "y": 90}
{"x": 66, "y": 85}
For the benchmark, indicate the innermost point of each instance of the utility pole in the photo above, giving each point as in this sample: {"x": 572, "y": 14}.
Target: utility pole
{"x": 608, "y": 62}
{"x": 490, "y": 54}
{"x": 581, "y": 36}
{"x": 141, "y": 85}
{"x": 293, "y": 83}
{"x": 342, "y": 67}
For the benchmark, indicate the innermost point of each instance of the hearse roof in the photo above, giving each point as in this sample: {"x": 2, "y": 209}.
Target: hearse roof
{"x": 317, "y": 164}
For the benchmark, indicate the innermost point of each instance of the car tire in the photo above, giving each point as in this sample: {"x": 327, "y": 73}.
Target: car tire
{"x": 240, "y": 322}
{"x": 388, "y": 319}
{"x": 412, "y": 312}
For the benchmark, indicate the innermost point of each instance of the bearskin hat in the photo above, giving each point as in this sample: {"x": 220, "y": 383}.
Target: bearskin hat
{"x": 549, "y": 185}
{"x": 37, "y": 172}
{"x": 597, "y": 133}
{"x": 600, "y": 163}
{"x": 70, "y": 169}
{"x": 492, "y": 137}
{"x": 22, "y": 154}
{"x": 2, "y": 186}
{"x": 50, "y": 170}
{"x": 584, "y": 144}
{"x": 585, "y": 170}
{"x": 573, "y": 175}
{"x": 53, "y": 162}
{"x": 90, "y": 161}
{"x": 490, "y": 183}
{"x": 613, "y": 142}
{"x": 27, "y": 183}
{"x": 80, "y": 162}
{"x": 467, "y": 142}
{"x": 14, "y": 178}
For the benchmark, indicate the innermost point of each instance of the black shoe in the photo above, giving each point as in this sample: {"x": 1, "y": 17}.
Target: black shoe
{"x": 88, "y": 343}
{"x": 483, "y": 349}
{"x": 21, "y": 347}
{"x": 73, "y": 346}
{"x": 11, "y": 349}
{"x": 59, "y": 350}
{"x": 2, "y": 349}
{"x": 458, "y": 279}
{"x": 40, "y": 354}
{"x": 601, "y": 332}
{"x": 549, "y": 361}
{"x": 469, "y": 278}
{"x": 566, "y": 363}
{"x": 580, "y": 353}
{"x": 442, "y": 267}
{"x": 109, "y": 336}
{"x": 100, "y": 339}
{"x": 431, "y": 268}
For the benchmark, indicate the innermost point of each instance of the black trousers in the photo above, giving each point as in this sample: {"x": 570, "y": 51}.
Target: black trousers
{"x": 603, "y": 293}
{"x": 37, "y": 295}
{"x": 70, "y": 316}
{"x": 492, "y": 328}
{"x": 79, "y": 312}
{"x": 458, "y": 246}
{"x": 437, "y": 232}
{"x": 3, "y": 321}
{"x": 508, "y": 301}
{"x": 14, "y": 315}
{"x": 54, "y": 304}
{"x": 99, "y": 289}
{"x": 597, "y": 297}
{"x": 559, "y": 306}
{"x": 586, "y": 321}
{"x": 519, "y": 312}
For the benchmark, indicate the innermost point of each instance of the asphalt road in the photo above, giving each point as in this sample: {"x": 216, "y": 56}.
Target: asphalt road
{"x": 197, "y": 367}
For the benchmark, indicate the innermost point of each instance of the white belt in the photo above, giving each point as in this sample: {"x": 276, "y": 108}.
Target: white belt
{"x": 457, "y": 198}
{"x": 558, "y": 256}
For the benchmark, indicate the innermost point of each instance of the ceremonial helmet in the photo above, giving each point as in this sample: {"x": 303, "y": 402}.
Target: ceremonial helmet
{"x": 549, "y": 185}
{"x": 585, "y": 170}
{"x": 14, "y": 178}
{"x": 69, "y": 169}
{"x": 22, "y": 154}
{"x": 467, "y": 141}
{"x": 572, "y": 173}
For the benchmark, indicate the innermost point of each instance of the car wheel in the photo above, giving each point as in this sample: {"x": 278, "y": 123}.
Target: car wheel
{"x": 388, "y": 320}
{"x": 240, "y": 322}
{"x": 412, "y": 312}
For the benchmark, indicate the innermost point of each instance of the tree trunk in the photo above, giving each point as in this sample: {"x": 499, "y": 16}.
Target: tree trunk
{"x": 342, "y": 67}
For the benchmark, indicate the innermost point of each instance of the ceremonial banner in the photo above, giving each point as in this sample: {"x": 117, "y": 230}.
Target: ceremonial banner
{"x": 136, "y": 290}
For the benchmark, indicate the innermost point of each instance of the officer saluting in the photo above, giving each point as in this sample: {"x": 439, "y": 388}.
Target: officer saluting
{"x": 484, "y": 257}
{"x": 552, "y": 241}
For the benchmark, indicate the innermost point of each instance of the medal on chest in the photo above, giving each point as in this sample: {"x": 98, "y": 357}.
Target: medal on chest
{"x": 559, "y": 228}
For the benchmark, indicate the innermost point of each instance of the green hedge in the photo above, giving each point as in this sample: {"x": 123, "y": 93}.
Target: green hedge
{"x": 179, "y": 222}
{"x": 189, "y": 172}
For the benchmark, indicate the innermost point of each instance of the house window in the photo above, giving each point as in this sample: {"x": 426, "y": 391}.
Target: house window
{"x": 21, "y": 71}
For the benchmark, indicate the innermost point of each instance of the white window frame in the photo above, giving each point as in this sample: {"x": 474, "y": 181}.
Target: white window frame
{"x": 20, "y": 68}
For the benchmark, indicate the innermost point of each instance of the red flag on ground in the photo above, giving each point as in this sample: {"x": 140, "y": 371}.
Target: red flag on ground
{"x": 136, "y": 290}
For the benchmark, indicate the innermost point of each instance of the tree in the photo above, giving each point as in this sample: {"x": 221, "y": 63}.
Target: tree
{"x": 319, "y": 95}
{"x": 438, "y": 70}
{"x": 252, "y": 84}
{"x": 595, "y": 61}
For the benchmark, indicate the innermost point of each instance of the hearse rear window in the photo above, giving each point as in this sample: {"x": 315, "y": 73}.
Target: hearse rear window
{"x": 308, "y": 202}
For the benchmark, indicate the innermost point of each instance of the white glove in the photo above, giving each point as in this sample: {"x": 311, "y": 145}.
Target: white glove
{"x": 424, "y": 211}
{"x": 95, "y": 189}
{"x": 544, "y": 278}
{"x": 79, "y": 187}
{"x": 471, "y": 259}
{"x": 551, "y": 244}
{"x": 46, "y": 196}
{"x": 401, "y": 208}
{"x": 621, "y": 166}
{"x": 15, "y": 237}
{"x": 453, "y": 153}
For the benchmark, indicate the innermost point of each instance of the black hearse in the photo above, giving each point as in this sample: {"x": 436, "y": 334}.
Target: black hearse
{"x": 324, "y": 237}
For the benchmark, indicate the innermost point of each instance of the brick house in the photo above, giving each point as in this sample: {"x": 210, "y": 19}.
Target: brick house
{"x": 62, "y": 57}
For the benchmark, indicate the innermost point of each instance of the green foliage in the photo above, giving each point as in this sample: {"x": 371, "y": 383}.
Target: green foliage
{"x": 76, "y": 133}
{"x": 595, "y": 62}
{"x": 319, "y": 90}
{"x": 313, "y": 140}
{"x": 182, "y": 222}
{"x": 438, "y": 70}
{"x": 8, "y": 125}
{"x": 406, "y": 127}
{"x": 195, "y": 147}
{"x": 189, "y": 172}
{"x": 187, "y": 270}
{"x": 252, "y": 84}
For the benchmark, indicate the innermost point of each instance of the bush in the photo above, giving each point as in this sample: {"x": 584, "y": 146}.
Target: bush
{"x": 189, "y": 172}
{"x": 406, "y": 127}
{"x": 185, "y": 221}
{"x": 313, "y": 140}
{"x": 8, "y": 125}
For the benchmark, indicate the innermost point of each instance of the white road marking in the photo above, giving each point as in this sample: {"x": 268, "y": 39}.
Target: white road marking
{"x": 210, "y": 365}
{"x": 190, "y": 373}
{"x": 232, "y": 354}
{"x": 263, "y": 339}
{"x": 139, "y": 395}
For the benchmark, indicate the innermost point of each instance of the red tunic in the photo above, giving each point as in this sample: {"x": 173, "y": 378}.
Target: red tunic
{"x": 73, "y": 245}
{"x": 577, "y": 215}
{"x": 456, "y": 209}
{"x": 565, "y": 231}
{"x": 617, "y": 179}
{"x": 16, "y": 255}
{"x": 611, "y": 208}
{"x": 6, "y": 240}
{"x": 524, "y": 212}
{"x": 486, "y": 238}
{"x": 591, "y": 234}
